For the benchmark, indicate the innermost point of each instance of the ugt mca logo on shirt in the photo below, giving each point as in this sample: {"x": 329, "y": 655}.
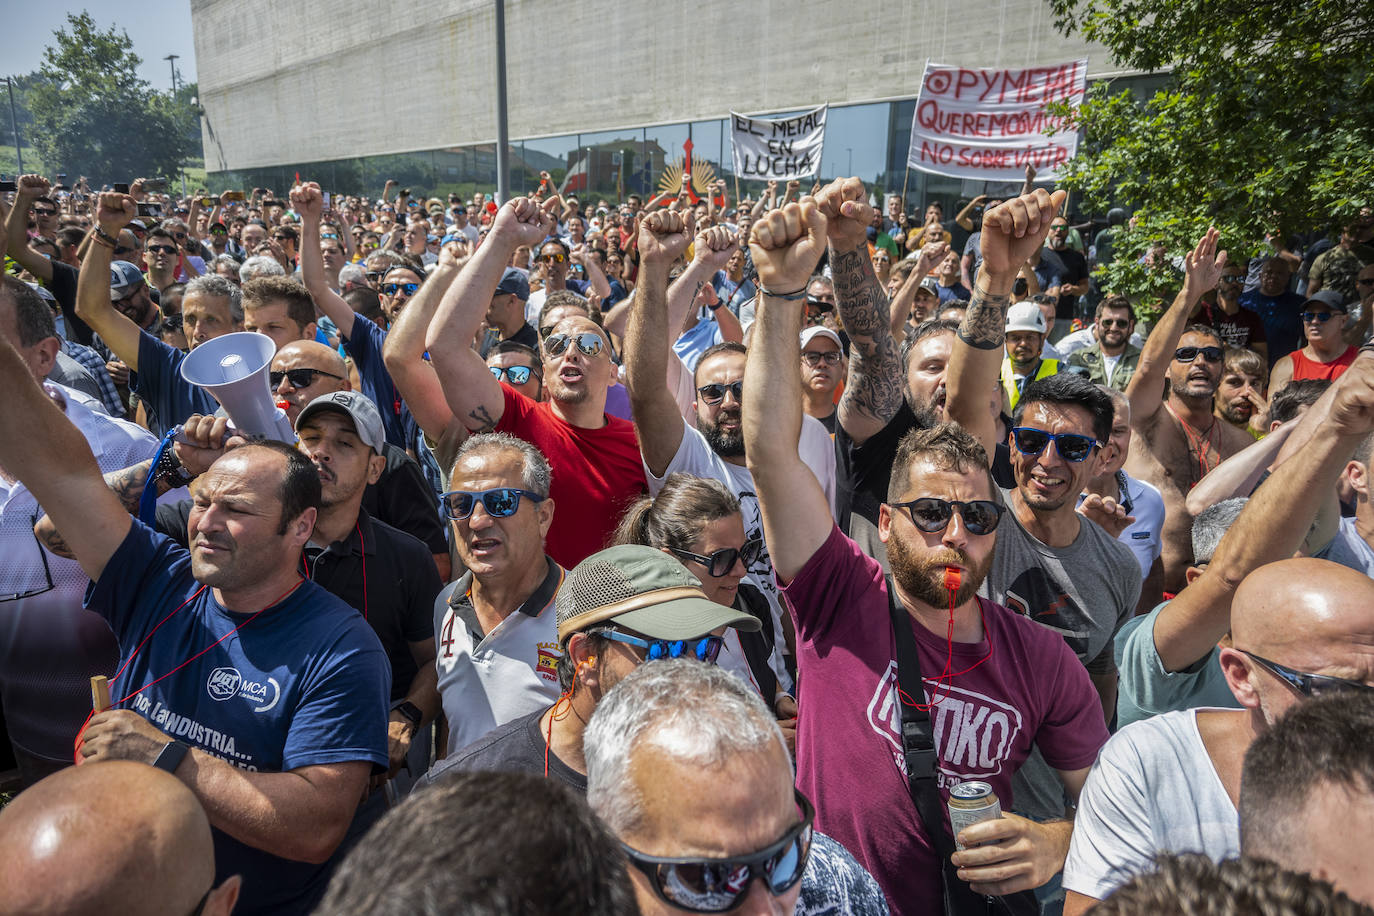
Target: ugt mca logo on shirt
{"x": 227, "y": 683}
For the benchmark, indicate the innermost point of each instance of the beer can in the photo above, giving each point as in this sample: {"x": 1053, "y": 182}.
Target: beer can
{"x": 969, "y": 803}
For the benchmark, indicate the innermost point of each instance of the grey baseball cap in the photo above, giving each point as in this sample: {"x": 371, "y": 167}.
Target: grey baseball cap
{"x": 644, "y": 590}
{"x": 366, "y": 420}
{"x": 125, "y": 279}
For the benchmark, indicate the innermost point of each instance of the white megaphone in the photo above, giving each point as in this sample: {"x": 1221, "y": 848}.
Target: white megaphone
{"x": 233, "y": 368}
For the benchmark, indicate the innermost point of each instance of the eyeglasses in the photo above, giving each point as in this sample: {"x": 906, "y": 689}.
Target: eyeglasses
{"x": 1188, "y": 354}
{"x": 1115, "y": 322}
{"x": 705, "y": 649}
{"x": 556, "y": 257}
{"x": 500, "y": 502}
{"x": 1233, "y": 278}
{"x": 392, "y": 289}
{"x": 1062, "y": 227}
{"x": 1316, "y": 317}
{"x": 702, "y": 885}
{"x": 588, "y": 344}
{"x": 516, "y": 375}
{"x": 299, "y": 378}
{"x": 1309, "y": 685}
{"x": 1365, "y": 281}
{"x": 930, "y": 514}
{"x": 814, "y": 358}
{"x": 28, "y": 575}
{"x": 719, "y": 562}
{"x": 37, "y": 211}
{"x": 375, "y": 276}
{"x": 164, "y": 249}
{"x": 715, "y": 392}
{"x": 1070, "y": 446}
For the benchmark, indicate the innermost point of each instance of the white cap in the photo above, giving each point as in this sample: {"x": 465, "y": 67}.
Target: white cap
{"x": 1026, "y": 316}
{"x": 817, "y": 330}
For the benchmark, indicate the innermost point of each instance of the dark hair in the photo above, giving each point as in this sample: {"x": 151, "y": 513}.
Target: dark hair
{"x": 31, "y": 314}
{"x": 260, "y": 291}
{"x": 365, "y": 301}
{"x": 70, "y": 236}
{"x": 488, "y": 844}
{"x": 300, "y": 485}
{"x": 928, "y": 328}
{"x": 557, "y": 241}
{"x": 676, "y": 516}
{"x": 157, "y": 232}
{"x": 288, "y": 231}
{"x": 728, "y": 346}
{"x": 519, "y": 349}
{"x": 1284, "y": 403}
{"x": 1066, "y": 388}
{"x": 1191, "y": 884}
{"x": 1204, "y": 330}
{"x": 948, "y": 446}
{"x": 1114, "y": 302}
{"x": 1326, "y": 740}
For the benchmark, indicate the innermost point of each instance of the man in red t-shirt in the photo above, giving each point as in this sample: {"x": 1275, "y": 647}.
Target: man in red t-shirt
{"x": 997, "y": 682}
{"x": 597, "y": 471}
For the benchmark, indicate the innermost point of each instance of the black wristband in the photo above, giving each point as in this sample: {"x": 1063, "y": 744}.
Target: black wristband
{"x": 793, "y": 296}
{"x": 170, "y": 467}
{"x": 410, "y": 712}
{"x": 716, "y": 307}
{"x": 105, "y": 237}
{"x": 171, "y": 755}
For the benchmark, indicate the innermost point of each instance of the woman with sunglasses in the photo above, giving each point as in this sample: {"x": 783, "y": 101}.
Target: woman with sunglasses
{"x": 698, "y": 521}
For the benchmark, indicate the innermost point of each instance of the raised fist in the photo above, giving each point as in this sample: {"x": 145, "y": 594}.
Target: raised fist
{"x": 115, "y": 211}
{"x": 663, "y": 236}
{"x": 848, "y": 215}
{"x": 1015, "y": 229}
{"x": 786, "y": 245}
{"x": 34, "y": 186}
{"x": 714, "y": 246}
{"x": 307, "y": 200}
{"x": 523, "y": 221}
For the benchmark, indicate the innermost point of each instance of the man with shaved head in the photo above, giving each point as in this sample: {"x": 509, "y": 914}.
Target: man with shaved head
{"x": 113, "y": 837}
{"x": 1297, "y": 626}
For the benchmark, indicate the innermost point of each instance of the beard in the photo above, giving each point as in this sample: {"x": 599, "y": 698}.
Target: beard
{"x": 921, "y": 572}
{"x": 1237, "y": 413}
{"x": 1180, "y": 389}
{"x": 723, "y": 443}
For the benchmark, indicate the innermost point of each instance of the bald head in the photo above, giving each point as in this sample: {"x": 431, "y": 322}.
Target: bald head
{"x": 296, "y": 389}
{"x": 112, "y": 837}
{"x": 1306, "y": 613}
{"x": 312, "y": 353}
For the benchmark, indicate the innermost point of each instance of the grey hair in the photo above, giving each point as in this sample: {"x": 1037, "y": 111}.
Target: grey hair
{"x": 260, "y": 265}
{"x": 220, "y": 260}
{"x": 689, "y": 711}
{"x": 535, "y": 476}
{"x": 1211, "y": 525}
{"x": 215, "y": 285}
{"x": 352, "y": 273}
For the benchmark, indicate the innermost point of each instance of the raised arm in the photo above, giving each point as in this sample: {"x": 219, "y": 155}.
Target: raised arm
{"x": 595, "y": 276}
{"x": 663, "y": 236}
{"x": 900, "y": 310}
{"x": 473, "y": 395}
{"x": 93, "y": 305}
{"x": 404, "y": 351}
{"x": 1012, "y": 232}
{"x": 786, "y": 246}
{"x": 40, "y": 447}
{"x": 873, "y": 390}
{"x": 965, "y": 216}
{"x": 1190, "y": 625}
{"x": 308, "y": 201}
{"x": 31, "y": 187}
{"x": 1203, "y": 266}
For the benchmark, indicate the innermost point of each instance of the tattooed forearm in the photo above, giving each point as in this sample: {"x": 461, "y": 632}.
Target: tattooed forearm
{"x": 873, "y": 395}
{"x": 985, "y": 323}
{"x": 128, "y": 484}
{"x": 861, "y": 299}
{"x": 47, "y": 534}
{"x": 483, "y": 418}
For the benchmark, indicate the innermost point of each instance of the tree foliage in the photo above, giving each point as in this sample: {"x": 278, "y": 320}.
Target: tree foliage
{"x": 94, "y": 116}
{"x": 1263, "y": 127}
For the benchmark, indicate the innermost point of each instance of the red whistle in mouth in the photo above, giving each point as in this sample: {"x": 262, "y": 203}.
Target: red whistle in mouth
{"x": 953, "y": 576}
{"x": 284, "y": 405}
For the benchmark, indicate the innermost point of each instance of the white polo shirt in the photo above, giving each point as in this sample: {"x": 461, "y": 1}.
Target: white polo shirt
{"x": 487, "y": 680}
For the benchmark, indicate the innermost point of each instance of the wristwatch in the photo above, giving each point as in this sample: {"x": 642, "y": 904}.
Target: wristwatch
{"x": 171, "y": 755}
{"x": 410, "y": 712}
{"x": 169, "y": 467}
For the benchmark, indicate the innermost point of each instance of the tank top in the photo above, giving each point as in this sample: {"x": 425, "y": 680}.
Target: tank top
{"x": 1304, "y": 367}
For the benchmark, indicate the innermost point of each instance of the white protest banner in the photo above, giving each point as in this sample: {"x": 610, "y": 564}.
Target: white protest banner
{"x": 782, "y": 148}
{"x": 989, "y": 124}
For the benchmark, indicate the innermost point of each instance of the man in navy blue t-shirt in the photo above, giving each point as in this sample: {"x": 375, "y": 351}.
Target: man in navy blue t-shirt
{"x": 263, "y": 693}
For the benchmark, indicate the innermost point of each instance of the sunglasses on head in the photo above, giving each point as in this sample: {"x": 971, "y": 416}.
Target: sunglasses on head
{"x": 814, "y": 358}
{"x": 164, "y": 249}
{"x": 702, "y": 885}
{"x": 392, "y": 289}
{"x": 1316, "y": 317}
{"x": 516, "y": 375}
{"x": 931, "y": 514}
{"x": 1070, "y": 446}
{"x": 1309, "y": 685}
{"x": 1188, "y": 354}
{"x": 715, "y": 392}
{"x": 299, "y": 378}
{"x": 588, "y": 344}
{"x": 703, "y": 649}
{"x": 500, "y": 502}
{"x": 719, "y": 562}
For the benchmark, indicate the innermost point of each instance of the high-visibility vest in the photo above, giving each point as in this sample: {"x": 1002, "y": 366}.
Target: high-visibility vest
{"x": 1010, "y": 387}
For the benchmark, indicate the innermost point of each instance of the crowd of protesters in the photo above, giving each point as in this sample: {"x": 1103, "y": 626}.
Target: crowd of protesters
{"x": 689, "y": 555}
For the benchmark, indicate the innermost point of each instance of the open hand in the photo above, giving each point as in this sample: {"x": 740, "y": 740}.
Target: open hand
{"x": 1203, "y": 265}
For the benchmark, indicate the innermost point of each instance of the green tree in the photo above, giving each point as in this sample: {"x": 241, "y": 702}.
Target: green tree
{"x": 92, "y": 114}
{"x": 1262, "y": 128}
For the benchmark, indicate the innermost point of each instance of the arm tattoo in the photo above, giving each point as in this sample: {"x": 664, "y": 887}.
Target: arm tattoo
{"x": 862, "y": 302}
{"x": 875, "y": 369}
{"x": 128, "y": 484}
{"x": 875, "y": 385}
{"x": 985, "y": 323}
{"x": 485, "y": 423}
{"x": 47, "y": 533}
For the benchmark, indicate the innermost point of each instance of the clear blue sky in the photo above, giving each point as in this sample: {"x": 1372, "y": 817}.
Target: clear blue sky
{"x": 157, "y": 27}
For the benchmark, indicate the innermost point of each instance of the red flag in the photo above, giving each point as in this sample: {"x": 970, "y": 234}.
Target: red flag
{"x": 298, "y": 178}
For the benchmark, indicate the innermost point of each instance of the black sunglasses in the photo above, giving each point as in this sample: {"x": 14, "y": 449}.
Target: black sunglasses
{"x": 588, "y": 344}
{"x": 1316, "y": 317}
{"x": 930, "y": 514}
{"x": 516, "y": 375}
{"x": 705, "y": 649}
{"x": 500, "y": 502}
{"x": 702, "y": 885}
{"x": 719, "y": 562}
{"x": 1233, "y": 278}
{"x": 715, "y": 393}
{"x": 1115, "y": 322}
{"x": 1188, "y": 354}
{"x": 42, "y": 212}
{"x": 165, "y": 249}
{"x": 299, "y": 378}
{"x": 1309, "y": 685}
{"x": 392, "y": 289}
{"x": 375, "y": 276}
{"x": 1071, "y": 446}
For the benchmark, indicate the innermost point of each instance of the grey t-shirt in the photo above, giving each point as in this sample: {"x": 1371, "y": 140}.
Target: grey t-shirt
{"x": 1084, "y": 592}
{"x": 1349, "y": 549}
